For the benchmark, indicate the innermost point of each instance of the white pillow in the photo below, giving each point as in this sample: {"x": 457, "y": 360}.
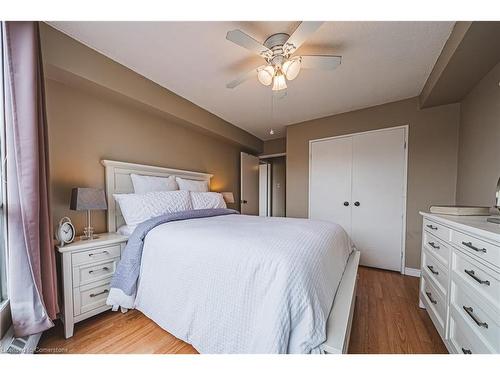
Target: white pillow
{"x": 191, "y": 185}
{"x": 201, "y": 200}
{"x": 137, "y": 208}
{"x": 126, "y": 230}
{"x": 145, "y": 184}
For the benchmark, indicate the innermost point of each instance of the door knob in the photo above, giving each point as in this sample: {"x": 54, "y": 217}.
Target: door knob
{"x": 346, "y": 203}
{"x": 356, "y": 204}
{"x": 244, "y": 202}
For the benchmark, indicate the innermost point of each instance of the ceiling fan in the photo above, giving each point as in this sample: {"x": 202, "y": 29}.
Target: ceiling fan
{"x": 278, "y": 52}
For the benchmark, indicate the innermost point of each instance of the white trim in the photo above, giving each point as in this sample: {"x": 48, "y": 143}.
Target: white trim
{"x": 415, "y": 272}
{"x": 405, "y": 179}
{"x": 272, "y": 155}
{"x": 117, "y": 178}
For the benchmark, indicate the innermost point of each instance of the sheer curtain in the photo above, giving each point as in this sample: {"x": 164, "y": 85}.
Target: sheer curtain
{"x": 32, "y": 272}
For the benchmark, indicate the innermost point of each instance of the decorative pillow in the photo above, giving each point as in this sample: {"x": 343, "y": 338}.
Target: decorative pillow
{"x": 137, "y": 208}
{"x": 145, "y": 184}
{"x": 201, "y": 200}
{"x": 191, "y": 185}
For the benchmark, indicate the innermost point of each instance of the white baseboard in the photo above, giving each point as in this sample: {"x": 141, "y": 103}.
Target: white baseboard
{"x": 415, "y": 272}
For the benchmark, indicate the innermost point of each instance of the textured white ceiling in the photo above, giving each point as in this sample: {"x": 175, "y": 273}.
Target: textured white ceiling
{"x": 382, "y": 62}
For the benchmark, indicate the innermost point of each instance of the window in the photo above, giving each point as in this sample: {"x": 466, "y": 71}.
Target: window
{"x": 3, "y": 247}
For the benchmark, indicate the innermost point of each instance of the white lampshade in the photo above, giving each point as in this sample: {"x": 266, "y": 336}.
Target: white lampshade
{"x": 265, "y": 75}
{"x": 291, "y": 68}
{"x": 279, "y": 82}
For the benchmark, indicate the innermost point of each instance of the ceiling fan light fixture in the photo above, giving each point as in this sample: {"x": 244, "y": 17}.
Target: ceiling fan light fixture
{"x": 291, "y": 68}
{"x": 265, "y": 75}
{"x": 279, "y": 82}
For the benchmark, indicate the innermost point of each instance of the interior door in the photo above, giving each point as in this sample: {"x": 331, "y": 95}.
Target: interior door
{"x": 249, "y": 166}
{"x": 330, "y": 181}
{"x": 378, "y": 182}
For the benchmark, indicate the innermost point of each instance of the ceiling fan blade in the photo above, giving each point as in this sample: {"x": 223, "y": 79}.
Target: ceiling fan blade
{"x": 243, "y": 78}
{"x": 301, "y": 33}
{"x": 325, "y": 62}
{"x": 246, "y": 41}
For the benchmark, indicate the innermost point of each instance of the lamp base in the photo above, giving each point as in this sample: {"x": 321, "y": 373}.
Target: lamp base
{"x": 88, "y": 234}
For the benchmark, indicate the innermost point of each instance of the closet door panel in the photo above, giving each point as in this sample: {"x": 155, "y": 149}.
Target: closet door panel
{"x": 330, "y": 181}
{"x": 378, "y": 173}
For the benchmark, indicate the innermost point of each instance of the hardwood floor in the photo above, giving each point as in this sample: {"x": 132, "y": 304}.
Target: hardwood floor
{"x": 387, "y": 319}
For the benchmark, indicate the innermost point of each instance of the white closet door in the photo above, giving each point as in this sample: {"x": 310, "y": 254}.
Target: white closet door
{"x": 330, "y": 181}
{"x": 378, "y": 173}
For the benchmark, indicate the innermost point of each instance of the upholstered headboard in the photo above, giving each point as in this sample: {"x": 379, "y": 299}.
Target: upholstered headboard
{"x": 118, "y": 181}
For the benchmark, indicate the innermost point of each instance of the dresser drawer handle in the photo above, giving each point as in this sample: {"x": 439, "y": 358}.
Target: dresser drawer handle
{"x": 429, "y": 295}
{"x": 466, "y": 351}
{"x": 469, "y": 310}
{"x": 431, "y": 268}
{"x": 92, "y": 295}
{"x": 433, "y": 245}
{"x": 473, "y": 275}
{"x": 430, "y": 226}
{"x": 102, "y": 269}
{"x": 101, "y": 253}
{"x": 471, "y": 246}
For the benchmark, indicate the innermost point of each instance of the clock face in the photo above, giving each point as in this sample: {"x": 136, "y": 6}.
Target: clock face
{"x": 66, "y": 232}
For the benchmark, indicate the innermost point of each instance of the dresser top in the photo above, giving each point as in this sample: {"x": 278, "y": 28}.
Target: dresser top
{"x": 104, "y": 239}
{"x": 473, "y": 224}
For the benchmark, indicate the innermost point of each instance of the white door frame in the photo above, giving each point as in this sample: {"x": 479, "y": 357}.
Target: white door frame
{"x": 405, "y": 180}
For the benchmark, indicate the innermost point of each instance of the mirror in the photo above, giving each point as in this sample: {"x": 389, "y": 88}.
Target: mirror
{"x": 497, "y": 204}
{"x": 496, "y": 220}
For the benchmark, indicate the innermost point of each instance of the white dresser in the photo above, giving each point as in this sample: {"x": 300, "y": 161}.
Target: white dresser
{"x": 460, "y": 282}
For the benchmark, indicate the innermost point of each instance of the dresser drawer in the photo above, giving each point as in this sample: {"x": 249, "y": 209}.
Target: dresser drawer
{"x": 96, "y": 254}
{"x": 436, "y": 247}
{"x": 482, "y": 280}
{"x": 91, "y": 296}
{"x": 89, "y": 273}
{"x": 435, "y": 303}
{"x": 436, "y": 229}
{"x": 485, "y": 251}
{"x": 462, "y": 338}
{"x": 480, "y": 318}
{"x": 435, "y": 271}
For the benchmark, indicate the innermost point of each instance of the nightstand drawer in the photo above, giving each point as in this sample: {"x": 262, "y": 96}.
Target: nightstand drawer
{"x": 89, "y": 273}
{"x": 96, "y": 254}
{"x": 91, "y": 296}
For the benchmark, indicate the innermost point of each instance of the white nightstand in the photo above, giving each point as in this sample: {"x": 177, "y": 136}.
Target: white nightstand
{"x": 87, "y": 268}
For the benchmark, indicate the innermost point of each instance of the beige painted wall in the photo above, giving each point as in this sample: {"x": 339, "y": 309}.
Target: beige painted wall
{"x": 479, "y": 145}
{"x": 274, "y": 146}
{"x": 85, "y": 127}
{"x": 432, "y": 164}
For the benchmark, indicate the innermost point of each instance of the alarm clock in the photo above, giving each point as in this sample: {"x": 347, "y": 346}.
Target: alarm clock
{"x": 65, "y": 232}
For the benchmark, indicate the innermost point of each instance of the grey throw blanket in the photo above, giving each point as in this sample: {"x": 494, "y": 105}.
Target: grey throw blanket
{"x": 124, "y": 282}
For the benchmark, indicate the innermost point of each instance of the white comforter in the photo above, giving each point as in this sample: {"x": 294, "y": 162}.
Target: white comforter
{"x": 243, "y": 284}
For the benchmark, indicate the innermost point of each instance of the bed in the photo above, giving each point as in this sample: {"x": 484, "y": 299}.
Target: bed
{"x": 215, "y": 284}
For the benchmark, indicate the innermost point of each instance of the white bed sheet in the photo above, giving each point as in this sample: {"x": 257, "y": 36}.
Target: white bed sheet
{"x": 243, "y": 284}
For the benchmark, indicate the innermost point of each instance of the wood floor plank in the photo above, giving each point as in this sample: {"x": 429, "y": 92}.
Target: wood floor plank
{"x": 387, "y": 319}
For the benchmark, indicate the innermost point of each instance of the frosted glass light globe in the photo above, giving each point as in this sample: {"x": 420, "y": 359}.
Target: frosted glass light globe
{"x": 265, "y": 75}
{"x": 291, "y": 68}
